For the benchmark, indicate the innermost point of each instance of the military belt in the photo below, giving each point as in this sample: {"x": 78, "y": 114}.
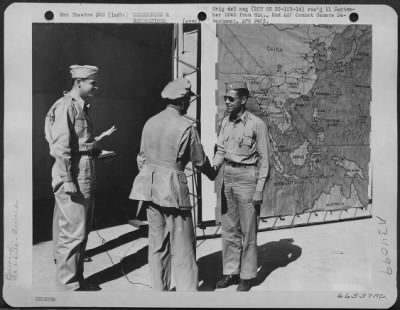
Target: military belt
{"x": 89, "y": 153}
{"x": 235, "y": 164}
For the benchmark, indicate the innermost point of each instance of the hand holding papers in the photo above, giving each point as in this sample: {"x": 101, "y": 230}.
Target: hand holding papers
{"x": 106, "y": 133}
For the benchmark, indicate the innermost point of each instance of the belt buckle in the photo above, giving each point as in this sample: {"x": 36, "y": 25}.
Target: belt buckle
{"x": 86, "y": 153}
{"x": 232, "y": 163}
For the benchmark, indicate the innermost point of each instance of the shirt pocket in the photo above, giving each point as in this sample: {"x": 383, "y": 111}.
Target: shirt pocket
{"x": 244, "y": 145}
{"x": 81, "y": 126}
{"x": 143, "y": 184}
{"x": 183, "y": 190}
{"x": 225, "y": 141}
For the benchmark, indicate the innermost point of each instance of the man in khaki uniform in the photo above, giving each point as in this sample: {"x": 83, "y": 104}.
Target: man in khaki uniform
{"x": 169, "y": 141}
{"x": 242, "y": 150}
{"x": 70, "y": 136}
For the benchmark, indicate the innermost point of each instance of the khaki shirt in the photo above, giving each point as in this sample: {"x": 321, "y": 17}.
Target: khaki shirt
{"x": 244, "y": 140}
{"x": 189, "y": 148}
{"x": 68, "y": 131}
{"x": 169, "y": 142}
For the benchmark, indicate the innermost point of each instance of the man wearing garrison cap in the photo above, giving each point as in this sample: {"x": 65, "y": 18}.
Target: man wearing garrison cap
{"x": 169, "y": 141}
{"x": 242, "y": 151}
{"x": 69, "y": 132}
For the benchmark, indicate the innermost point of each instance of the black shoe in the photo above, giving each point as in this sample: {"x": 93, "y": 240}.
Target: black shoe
{"x": 88, "y": 286}
{"x": 244, "y": 285}
{"x": 228, "y": 281}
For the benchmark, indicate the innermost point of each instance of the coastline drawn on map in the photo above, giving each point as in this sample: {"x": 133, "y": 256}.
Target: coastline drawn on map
{"x": 311, "y": 84}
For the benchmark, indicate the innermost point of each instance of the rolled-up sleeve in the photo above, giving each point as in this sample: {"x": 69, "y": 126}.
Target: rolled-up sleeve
{"x": 263, "y": 148}
{"x": 61, "y": 140}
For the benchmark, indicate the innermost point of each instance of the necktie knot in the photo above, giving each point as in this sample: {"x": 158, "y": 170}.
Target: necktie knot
{"x": 86, "y": 107}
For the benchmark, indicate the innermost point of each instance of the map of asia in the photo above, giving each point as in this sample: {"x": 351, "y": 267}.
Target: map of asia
{"x": 311, "y": 85}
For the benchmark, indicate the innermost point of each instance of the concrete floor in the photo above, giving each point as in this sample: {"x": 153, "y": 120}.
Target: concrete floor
{"x": 316, "y": 258}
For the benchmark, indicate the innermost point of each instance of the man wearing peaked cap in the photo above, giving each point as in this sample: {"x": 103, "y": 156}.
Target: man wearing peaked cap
{"x": 242, "y": 153}
{"x": 69, "y": 132}
{"x": 169, "y": 141}
{"x": 176, "y": 89}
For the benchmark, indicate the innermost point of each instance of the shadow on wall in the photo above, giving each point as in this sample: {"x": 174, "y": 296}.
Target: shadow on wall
{"x": 271, "y": 256}
{"x": 135, "y": 64}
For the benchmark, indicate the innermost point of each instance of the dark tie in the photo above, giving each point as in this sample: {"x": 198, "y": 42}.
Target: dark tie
{"x": 86, "y": 107}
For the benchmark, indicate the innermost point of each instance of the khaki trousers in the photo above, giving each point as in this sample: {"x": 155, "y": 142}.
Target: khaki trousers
{"x": 72, "y": 221}
{"x": 239, "y": 222}
{"x": 171, "y": 248}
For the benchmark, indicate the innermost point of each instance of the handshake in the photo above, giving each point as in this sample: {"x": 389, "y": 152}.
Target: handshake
{"x": 210, "y": 171}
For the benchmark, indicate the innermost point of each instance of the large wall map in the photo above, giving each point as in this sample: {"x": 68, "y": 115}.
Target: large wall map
{"x": 311, "y": 84}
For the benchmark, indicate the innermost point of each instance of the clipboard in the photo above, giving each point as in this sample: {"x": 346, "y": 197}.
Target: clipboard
{"x": 106, "y": 154}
